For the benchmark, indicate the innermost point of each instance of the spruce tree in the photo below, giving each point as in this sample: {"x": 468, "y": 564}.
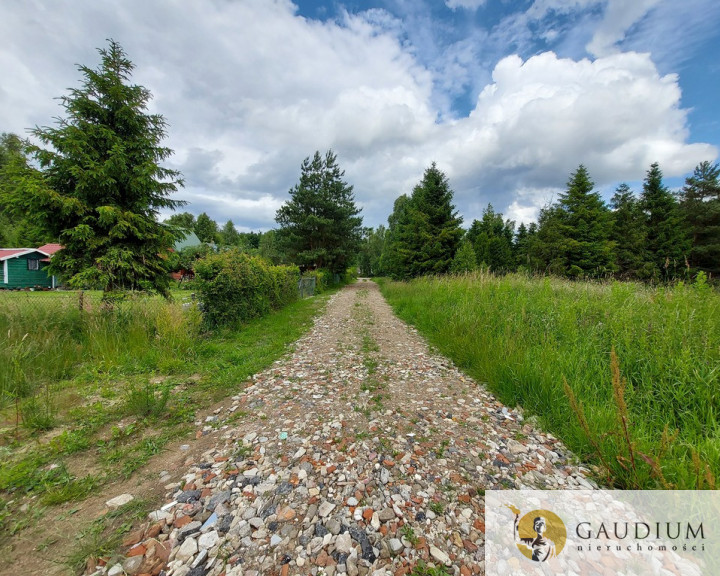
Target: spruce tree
{"x": 465, "y": 259}
{"x": 101, "y": 186}
{"x": 573, "y": 236}
{"x": 319, "y": 225}
{"x": 393, "y": 261}
{"x": 229, "y": 234}
{"x": 667, "y": 240}
{"x": 700, "y": 207}
{"x": 430, "y": 232}
{"x": 492, "y": 239}
{"x": 629, "y": 235}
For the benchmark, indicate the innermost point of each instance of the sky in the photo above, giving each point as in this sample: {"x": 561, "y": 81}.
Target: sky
{"x": 507, "y": 97}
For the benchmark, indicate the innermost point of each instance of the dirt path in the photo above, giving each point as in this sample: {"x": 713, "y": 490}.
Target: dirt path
{"x": 359, "y": 453}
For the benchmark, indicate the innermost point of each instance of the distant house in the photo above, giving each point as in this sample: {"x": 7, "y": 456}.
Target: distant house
{"x": 27, "y": 267}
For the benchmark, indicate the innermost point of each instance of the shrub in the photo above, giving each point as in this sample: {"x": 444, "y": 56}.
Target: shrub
{"x": 235, "y": 287}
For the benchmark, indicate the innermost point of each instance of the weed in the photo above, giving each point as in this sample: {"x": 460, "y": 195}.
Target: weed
{"x": 437, "y": 507}
{"x": 408, "y": 532}
{"x": 422, "y": 569}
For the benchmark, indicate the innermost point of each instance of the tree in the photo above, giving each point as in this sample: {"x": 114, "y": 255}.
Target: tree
{"x": 17, "y": 229}
{"x": 319, "y": 225}
{"x": 573, "y": 236}
{"x": 492, "y": 239}
{"x": 629, "y": 235}
{"x": 371, "y": 250}
{"x": 429, "y": 229}
{"x": 464, "y": 260}
{"x": 182, "y": 220}
{"x": 100, "y": 186}
{"x": 229, "y": 235}
{"x": 206, "y": 229}
{"x": 667, "y": 241}
{"x": 700, "y": 207}
{"x": 391, "y": 260}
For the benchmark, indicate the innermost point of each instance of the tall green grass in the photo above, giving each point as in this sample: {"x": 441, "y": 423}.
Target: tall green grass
{"x": 47, "y": 337}
{"x": 525, "y": 336}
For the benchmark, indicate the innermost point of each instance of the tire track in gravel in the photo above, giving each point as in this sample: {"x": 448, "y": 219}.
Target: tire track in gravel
{"x": 359, "y": 453}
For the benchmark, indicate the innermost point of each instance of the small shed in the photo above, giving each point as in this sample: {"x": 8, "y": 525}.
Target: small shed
{"x": 25, "y": 268}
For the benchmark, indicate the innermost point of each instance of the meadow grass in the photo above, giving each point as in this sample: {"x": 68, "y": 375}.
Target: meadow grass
{"x": 652, "y": 422}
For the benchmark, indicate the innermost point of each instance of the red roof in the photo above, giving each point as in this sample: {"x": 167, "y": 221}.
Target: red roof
{"x": 50, "y": 249}
{"x": 9, "y": 252}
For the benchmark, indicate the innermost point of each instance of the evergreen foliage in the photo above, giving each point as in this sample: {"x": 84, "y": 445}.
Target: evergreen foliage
{"x": 629, "y": 234}
{"x": 16, "y": 229}
{"x": 101, "y": 186}
{"x": 465, "y": 259}
{"x": 667, "y": 241}
{"x": 700, "y": 207}
{"x": 573, "y": 236}
{"x": 319, "y": 225}
{"x": 492, "y": 240}
{"x": 426, "y": 232}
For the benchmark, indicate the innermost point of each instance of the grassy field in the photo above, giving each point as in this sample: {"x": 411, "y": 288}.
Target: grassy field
{"x": 642, "y": 365}
{"x": 112, "y": 386}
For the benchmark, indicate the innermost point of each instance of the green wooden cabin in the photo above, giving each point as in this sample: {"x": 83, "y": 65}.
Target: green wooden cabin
{"x": 24, "y": 268}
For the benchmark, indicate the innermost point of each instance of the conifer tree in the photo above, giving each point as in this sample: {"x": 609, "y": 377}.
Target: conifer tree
{"x": 101, "y": 186}
{"x": 629, "y": 235}
{"x": 319, "y": 225}
{"x": 667, "y": 240}
{"x": 573, "y": 235}
{"x": 430, "y": 231}
{"x": 700, "y": 206}
{"x": 465, "y": 259}
{"x": 492, "y": 238}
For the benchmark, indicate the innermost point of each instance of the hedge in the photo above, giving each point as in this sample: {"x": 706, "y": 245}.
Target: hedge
{"x": 234, "y": 287}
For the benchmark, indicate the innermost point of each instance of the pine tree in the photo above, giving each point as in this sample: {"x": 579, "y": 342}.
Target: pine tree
{"x": 629, "y": 235}
{"x": 700, "y": 207}
{"x": 430, "y": 231}
{"x": 667, "y": 240}
{"x": 319, "y": 225}
{"x": 100, "y": 186}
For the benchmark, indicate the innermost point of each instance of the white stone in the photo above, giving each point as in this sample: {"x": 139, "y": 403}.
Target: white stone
{"x": 116, "y": 570}
{"x": 439, "y": 555}
{"x": 343, "y": 543}
{"x": 187, "y": 550}
{"x": 209, "y": 540}
{"x": 119, "y": 500}
{"x": 325, "y": 508}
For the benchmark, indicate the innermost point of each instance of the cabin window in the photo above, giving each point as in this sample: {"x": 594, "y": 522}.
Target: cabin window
{"x": 33, "y": 264}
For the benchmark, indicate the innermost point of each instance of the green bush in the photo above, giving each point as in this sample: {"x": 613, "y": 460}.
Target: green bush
{"x": 235, "y": 287}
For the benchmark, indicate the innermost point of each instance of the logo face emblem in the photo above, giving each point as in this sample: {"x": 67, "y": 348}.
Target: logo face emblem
{"x": 539, "y": 534}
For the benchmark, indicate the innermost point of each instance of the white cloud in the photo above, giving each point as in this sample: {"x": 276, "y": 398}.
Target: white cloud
{"x": 466, "y": 4}
{"x": 619, "y": 16}
{"x": 541, "y": 118}
{"x": 250, "y": 89}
